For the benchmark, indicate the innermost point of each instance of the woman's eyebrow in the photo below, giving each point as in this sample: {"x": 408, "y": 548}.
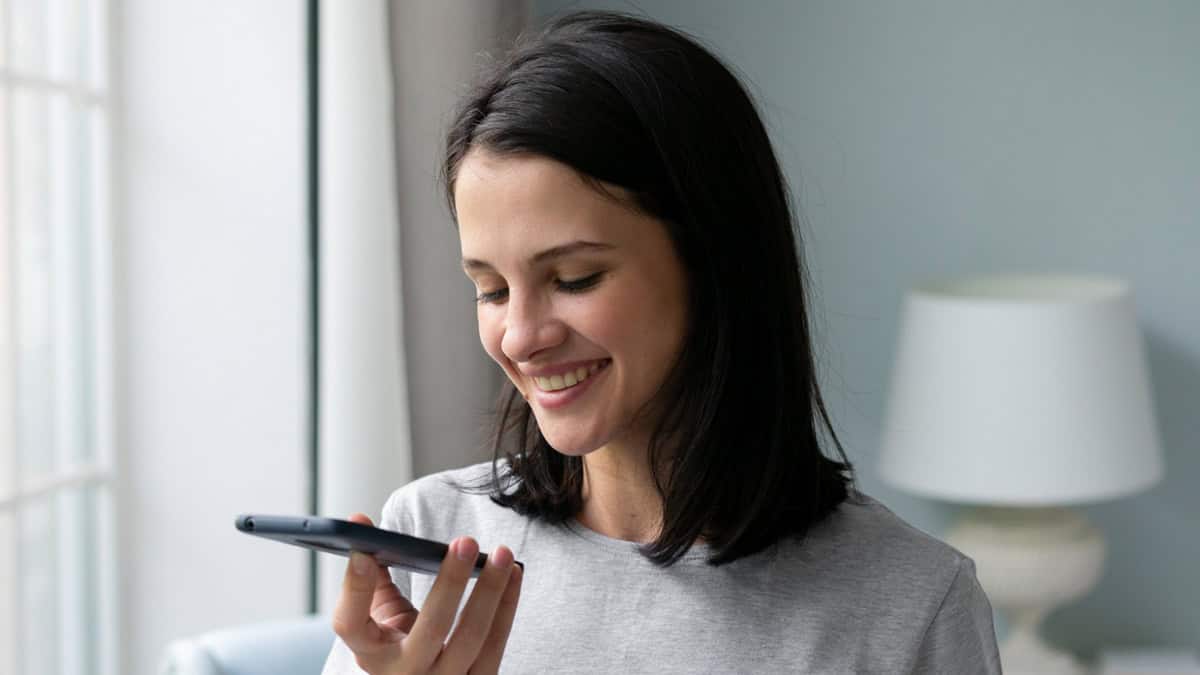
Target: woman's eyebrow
{"x": 548, "y": 254}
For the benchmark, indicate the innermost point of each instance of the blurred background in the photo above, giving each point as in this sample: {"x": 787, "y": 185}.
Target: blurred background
{"x": 228, "y": 282}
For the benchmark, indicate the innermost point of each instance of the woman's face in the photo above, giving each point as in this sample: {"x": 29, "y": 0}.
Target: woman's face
{"x": 581, "y": 298}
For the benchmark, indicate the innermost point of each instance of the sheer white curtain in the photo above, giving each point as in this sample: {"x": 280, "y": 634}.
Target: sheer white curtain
{"x": 57, "y": 470}
{"x": 405, "y": 386}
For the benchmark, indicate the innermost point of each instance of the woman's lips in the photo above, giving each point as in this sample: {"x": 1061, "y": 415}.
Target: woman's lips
{"x": 563, "y": 397}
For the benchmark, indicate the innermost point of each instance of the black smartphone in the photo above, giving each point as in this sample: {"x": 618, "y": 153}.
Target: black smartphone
{"x": 331, "y": 535}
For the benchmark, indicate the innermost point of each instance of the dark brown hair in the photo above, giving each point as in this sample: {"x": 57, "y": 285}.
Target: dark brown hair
{"x": 630, "y": 102}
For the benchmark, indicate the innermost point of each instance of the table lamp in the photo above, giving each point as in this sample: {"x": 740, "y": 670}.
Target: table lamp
{"x": 1022, "y": 396}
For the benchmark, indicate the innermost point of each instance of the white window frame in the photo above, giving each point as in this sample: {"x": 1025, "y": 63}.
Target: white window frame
{"x": 101, "y": 472}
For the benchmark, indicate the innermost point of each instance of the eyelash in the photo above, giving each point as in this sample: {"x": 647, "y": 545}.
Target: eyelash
{"x": 570, "y": 286}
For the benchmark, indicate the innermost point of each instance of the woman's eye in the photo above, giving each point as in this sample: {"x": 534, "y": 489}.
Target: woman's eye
{"x": 566, "y": 285}
{"x": 491, "y": 296}
{"x": 579, "y": 285}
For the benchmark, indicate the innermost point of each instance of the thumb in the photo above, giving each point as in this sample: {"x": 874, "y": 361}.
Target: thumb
{"x": 389, "y": 607}
{"x": 352, "y": 616}
{"x": 358, "y": 589}
{"x": 361, "y": 570}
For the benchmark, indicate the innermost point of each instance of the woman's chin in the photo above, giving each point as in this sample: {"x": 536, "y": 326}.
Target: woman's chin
{"x": 570, "y": 444}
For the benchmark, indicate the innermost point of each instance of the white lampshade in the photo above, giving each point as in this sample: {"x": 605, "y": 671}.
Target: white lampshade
{"x": 1020, "y": 391}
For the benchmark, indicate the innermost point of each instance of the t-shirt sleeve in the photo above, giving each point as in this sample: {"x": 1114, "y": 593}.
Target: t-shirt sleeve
{"x": 394, "y": 517}
{"x": 961, "y": 638}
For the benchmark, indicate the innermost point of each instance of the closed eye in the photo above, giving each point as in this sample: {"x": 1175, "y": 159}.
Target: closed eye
{"x": 565, "y": 285}
{"x": 491, "y": 296}
{"x": 580, "y": 285}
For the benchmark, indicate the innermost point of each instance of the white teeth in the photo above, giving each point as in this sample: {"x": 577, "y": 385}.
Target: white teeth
{"x": 568, "y": 379}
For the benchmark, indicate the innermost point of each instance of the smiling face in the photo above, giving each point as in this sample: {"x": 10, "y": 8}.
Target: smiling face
{"x": 582, "y": 298}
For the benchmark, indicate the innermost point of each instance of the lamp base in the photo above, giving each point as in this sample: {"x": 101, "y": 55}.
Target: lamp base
{"x": 1024, "y": 651}
{"x": 1031, "y": 561}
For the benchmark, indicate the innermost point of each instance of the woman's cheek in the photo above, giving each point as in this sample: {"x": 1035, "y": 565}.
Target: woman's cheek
{"x": 490, "y": 335}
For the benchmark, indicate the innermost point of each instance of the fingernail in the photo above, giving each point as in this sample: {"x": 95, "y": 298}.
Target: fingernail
{"x": 501, "y": 557}
{"x": 360, "y": 563}
{"x": 464, "y": 549}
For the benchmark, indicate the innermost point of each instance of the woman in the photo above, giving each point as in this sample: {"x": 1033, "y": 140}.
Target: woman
{"x": 658, "y": 464}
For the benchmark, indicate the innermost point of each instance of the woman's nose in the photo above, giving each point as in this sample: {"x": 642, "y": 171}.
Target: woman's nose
{"x": 529, "y": 327}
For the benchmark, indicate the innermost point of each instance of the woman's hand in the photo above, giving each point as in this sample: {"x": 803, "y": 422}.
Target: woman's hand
{"x": 388, "y": 635}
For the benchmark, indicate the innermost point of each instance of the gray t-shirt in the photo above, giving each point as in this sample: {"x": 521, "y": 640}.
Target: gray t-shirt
{"x": 864, "y": 593}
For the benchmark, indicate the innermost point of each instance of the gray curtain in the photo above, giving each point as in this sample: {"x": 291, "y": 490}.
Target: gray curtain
{"x": 436, "y": 47}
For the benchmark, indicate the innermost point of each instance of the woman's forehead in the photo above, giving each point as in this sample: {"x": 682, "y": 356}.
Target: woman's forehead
{"x": 519, "y": 204}
{"x": 521, "y": 182}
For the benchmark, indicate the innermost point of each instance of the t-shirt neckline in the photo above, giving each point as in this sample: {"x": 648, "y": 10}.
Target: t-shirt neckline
{"x": 698, "y": 553}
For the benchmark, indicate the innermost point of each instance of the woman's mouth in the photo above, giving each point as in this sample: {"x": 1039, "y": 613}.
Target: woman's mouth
{"x": 571, "y": 377}
{"x": 558, "y": 390}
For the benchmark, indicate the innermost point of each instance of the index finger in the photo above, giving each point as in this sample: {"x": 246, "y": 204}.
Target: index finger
{"x": 492, "y": 651}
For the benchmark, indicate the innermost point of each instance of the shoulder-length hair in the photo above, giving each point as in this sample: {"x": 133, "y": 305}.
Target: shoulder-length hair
{"x": 626, "y": 101}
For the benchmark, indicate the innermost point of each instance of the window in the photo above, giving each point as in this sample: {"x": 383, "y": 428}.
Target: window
{"x": 57, "y": 579}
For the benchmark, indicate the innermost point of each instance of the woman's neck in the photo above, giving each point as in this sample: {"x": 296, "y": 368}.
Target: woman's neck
{"x": 619, "y": 497}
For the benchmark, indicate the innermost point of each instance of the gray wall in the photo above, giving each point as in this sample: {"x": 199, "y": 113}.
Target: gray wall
{"x": 933, "y": 139}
